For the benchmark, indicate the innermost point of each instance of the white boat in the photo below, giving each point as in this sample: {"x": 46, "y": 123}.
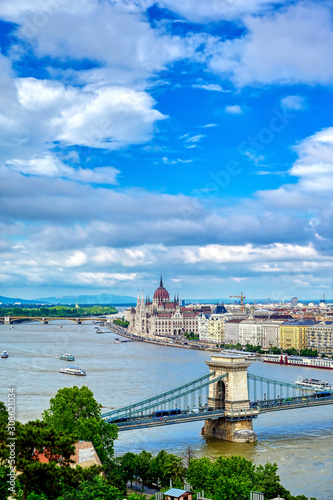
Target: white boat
{"x": 4, "y": 354}
{"x": 72, "y": 370}
{"x": 116, "y": 341}
{"x": 12, "y": 328}
{"x": 99, "y": 331}
{"x": 315, "y": 383}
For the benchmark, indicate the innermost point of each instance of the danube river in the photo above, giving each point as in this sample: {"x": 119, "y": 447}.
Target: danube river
{"x": 299, "y": 441}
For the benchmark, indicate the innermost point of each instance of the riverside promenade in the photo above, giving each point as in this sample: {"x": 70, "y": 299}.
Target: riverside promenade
{"x": 119, "y": 330}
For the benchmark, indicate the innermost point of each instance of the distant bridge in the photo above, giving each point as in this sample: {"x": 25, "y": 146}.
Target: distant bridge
{"x": 8, "y": 320}
{"x": 227, "y": 399}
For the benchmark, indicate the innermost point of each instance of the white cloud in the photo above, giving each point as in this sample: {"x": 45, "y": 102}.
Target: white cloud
{"x": 314, "y": 169}
{"x": 214, "y": 10}
{"x": 195, "y": 138}
{"x": 234, "y": 110}
{"x": 209, "y": 86}
{"x": 293, "y": 102}
{"x": 39, "y": 112}
{"x": 104, "y": 279}
{"x": 77, "y": 259}
{"x": 50, "y": 166}
{"x": 288, "y": 46}
{"x": 116, "y": 36}
{"x": 247, "y": 253}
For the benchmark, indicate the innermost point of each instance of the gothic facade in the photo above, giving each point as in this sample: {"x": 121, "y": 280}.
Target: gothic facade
{"x": 162, "y": 316}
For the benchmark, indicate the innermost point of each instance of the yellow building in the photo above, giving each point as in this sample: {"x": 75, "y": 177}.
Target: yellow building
{"x": 293, "y": 334}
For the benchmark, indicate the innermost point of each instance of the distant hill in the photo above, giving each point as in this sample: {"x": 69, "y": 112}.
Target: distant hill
{"x": 102, "y": 298}
{"x": 8, "y": 300}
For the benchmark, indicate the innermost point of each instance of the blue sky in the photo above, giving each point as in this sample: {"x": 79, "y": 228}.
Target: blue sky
{"x": 192, "y": 138}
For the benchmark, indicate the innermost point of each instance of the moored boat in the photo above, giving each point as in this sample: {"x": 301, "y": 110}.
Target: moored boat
{"x": 72, "y": 370}
{"x": 313, "y": 382}
{"x": 284, "y": 359}
{"x": 4, "y": 354}
{"x": 67, "y": 357}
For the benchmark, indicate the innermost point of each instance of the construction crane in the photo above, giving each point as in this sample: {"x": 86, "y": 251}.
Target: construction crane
{"x": 242, "y": 297}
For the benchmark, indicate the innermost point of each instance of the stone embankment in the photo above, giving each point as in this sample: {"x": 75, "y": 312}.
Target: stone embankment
{"x": 119, "y": 330}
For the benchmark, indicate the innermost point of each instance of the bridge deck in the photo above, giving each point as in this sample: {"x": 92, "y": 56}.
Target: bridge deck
{"x": 133, "y": 423}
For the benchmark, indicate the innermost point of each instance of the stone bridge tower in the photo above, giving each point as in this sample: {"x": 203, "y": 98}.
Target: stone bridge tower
{"x": 230, "y": 394}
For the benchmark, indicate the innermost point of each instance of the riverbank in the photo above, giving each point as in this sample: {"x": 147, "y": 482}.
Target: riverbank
{"x": 168, "y": 343}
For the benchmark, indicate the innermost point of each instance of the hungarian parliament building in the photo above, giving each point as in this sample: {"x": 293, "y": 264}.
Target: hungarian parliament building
{"x": 164, "y": 317}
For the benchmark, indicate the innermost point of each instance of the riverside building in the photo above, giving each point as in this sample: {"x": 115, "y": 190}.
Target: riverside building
{"x": 162, "y": 317}
{"x": 293, "y": 334}
{"x": 320, "y": 337}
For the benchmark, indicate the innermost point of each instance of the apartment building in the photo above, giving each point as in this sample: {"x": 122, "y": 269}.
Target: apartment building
{"x": 293, "y": 334}
{"x": 320, "y": 337}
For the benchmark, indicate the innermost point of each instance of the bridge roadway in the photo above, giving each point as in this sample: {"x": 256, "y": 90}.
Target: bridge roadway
{"x": 256, "y": 408}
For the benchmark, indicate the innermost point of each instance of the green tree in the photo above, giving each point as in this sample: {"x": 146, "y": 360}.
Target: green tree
{"x": 76, "y": 411}
{"x": 144, "y": 460}
{"x": 49, "y": 478}
{"x": 127, "y": 465}
{"x": 96, "y": 489}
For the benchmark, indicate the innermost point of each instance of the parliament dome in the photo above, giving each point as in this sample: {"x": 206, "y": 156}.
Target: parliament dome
{"x": 161, "y": 294}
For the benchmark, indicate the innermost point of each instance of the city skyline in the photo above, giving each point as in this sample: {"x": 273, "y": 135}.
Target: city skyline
{"x": 194, "y": 139}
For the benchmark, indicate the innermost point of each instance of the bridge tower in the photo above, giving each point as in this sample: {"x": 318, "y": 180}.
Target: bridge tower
{"x": 6, "y": 320}
{"x": 231, "y": 394}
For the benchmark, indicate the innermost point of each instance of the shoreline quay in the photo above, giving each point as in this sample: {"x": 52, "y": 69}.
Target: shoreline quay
{"x": 119, "y": 330}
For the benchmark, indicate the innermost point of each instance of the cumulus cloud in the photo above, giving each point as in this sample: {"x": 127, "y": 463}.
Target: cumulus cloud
{"x": 314, "y": 170}
{"x": 214, "y": 10}
{"x": 115, "y": 36}
{"x": 293, "y": 102}
{"x": 234, "y": 109}
{"x": 286, "y": 47}
{"x": 51, "y": 166}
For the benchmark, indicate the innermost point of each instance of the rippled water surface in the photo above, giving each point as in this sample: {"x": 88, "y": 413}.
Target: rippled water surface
{"x": 299, "y": 441}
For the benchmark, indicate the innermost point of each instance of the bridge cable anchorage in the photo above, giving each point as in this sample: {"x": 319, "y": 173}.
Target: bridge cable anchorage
{"x": 161, "y": 399}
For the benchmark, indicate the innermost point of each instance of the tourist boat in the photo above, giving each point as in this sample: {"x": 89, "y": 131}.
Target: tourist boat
{"x": 99, "y": 331}
{"x": 116, "y": 341}
{"x": 4, "y": 354}
{"x": 284, "y": 359}
{"x": 72, "y": 370}
{"x": 59, "y": 326}
{"x": 315, "y": 383}
{"x": 12, "y": 328}
{"x": 67, "y": 357}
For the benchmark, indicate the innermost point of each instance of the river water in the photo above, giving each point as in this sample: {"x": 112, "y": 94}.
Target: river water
{"x": 299, "y": 441}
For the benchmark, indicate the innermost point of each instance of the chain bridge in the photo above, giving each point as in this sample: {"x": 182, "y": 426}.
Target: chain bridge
{"x": 227, "y": 398}
{"x": 8, "y": 320}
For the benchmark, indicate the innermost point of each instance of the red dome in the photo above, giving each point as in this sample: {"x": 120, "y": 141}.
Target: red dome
{"x": 161, "y": 293}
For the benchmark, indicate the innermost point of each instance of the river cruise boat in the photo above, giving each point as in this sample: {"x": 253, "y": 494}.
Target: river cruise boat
{"x": 243, "y": 354}
{"x": 116, "y": 341}
{"x": 284, "y": 359}
{"x": 4, "y": 354}
{"x": 67, "y": 357}
{"x": 315, "y": 383}
{"x": 72, "y": 370}
{"x": 99, "y": 331}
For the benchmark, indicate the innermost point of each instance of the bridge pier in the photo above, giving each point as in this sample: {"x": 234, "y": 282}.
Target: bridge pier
{"x": 230, "y": 394}
{"x": 44, "y": 321}
{"x": 6, "y": 320}
{"x": 77, "y": 321}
